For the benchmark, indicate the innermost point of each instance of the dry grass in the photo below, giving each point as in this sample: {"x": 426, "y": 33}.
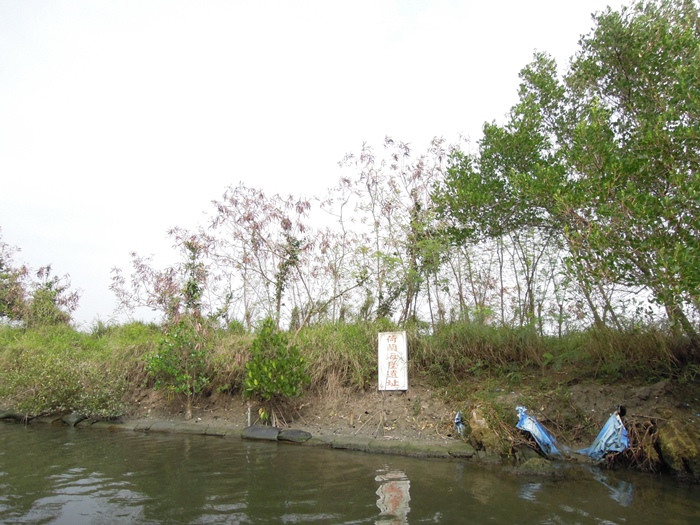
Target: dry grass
{"x": 642, "y": 453}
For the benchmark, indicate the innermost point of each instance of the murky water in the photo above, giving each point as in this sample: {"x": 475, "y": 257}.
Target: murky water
{"x": 75, "y": 476}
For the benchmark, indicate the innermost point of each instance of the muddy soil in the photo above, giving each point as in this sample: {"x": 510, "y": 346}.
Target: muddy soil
{"x": 419, "y": 413}
{"x": 573, "y": 413}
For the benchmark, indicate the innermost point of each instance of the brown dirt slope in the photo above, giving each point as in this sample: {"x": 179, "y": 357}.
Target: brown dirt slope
{"x": 573, "y": 413}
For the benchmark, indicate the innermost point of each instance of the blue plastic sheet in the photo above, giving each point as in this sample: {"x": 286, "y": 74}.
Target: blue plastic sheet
{"x": 546, "y": 441}
{"x": 612, "y": 438}
{"x": 460, "y": 427}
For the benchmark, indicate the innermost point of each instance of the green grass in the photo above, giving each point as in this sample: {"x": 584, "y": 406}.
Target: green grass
{"x": 341, "y": 354}
{"x": 58, "y": 369}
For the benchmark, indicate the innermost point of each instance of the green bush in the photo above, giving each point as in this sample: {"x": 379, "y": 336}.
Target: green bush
{"x": 56, "y": 370}
{"x": 180, "y": 363}
{"x": 275, "y": 369}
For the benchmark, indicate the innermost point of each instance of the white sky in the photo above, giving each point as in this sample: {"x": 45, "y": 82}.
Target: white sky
{"x": 120, "y": 119}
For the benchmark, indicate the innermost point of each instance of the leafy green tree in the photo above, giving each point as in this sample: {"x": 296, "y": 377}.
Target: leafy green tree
{"x": 180, "y": 363}
{"x": 635, "y": 85}
{"x": 605, "y": 159}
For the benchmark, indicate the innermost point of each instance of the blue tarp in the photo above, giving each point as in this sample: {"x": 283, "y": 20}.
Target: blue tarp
{"x": 460, "y": 427}
{"x": 612, "y": 438}
{"x": 546, "y": 441}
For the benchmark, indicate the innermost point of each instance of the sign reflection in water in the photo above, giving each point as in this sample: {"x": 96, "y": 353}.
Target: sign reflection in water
{"x": 393, "y": 493}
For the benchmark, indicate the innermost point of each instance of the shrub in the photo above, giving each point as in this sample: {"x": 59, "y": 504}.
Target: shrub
{"x": 57, "y": 370}
{"x": 180, "y": 363}
{"x": 275, "y": 371}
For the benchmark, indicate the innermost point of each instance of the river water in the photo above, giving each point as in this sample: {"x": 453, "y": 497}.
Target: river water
{"x": 73, "y": 476}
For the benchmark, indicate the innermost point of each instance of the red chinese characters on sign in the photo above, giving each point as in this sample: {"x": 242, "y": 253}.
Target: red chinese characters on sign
{"x": 393, "y": 361}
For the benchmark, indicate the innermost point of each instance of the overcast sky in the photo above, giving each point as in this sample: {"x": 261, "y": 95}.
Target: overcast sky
{"x": 121, "y": 119}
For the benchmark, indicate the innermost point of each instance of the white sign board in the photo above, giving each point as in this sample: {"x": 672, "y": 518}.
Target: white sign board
{"x": 393, "y": 361}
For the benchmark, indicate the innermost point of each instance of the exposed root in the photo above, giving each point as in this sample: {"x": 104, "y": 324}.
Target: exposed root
{"x": 642, "y": 452}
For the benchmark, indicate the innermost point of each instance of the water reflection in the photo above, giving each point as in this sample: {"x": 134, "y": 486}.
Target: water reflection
{"x": 393, "y": 496}
{"x": 50, "y": 475}
{"x": 529, "y": 491}
{"x": 77, "y": 496}
{"x": 622, "y": 492}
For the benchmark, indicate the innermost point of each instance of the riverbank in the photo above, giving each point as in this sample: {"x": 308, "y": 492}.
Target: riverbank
{"x": 571, "y": 385}
{"x": 414, "y": 448}
{"x": 663, "y": 421}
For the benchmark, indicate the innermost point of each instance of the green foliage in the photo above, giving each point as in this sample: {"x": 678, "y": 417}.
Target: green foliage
{"x": 236, "y": 327}
{"x": 460, "y": 349}
{"x": 179, "y": 364}
{"x": 43, "y": 310}
{"x": 50, "y": 383}
{"x": 343, "y": 354}
{"x": 52, "y": 300}
{"x": 118, "y": 336}
{"x": 636, "y": 82}
{"x": 275, "y": 368}
{"x": 226, "y": 361}
{"x": 605, "y": 159}
{"x": 57, "y": 370}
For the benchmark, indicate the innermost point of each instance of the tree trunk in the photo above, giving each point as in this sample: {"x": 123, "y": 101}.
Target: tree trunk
{"x": 188, "y": 408}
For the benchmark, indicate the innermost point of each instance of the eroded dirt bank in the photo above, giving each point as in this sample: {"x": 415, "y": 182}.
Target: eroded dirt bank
{"x": 663, "y": 418}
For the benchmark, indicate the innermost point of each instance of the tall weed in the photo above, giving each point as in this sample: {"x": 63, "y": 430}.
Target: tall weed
{"x": 342, "y": 354}
{"x": 459, "y": 349}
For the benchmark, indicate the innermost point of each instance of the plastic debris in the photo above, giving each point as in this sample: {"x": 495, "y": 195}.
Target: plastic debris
{"x": 459, "y": 425}
{"x": 612, "y": 438}
{"x": 546, "y": 441}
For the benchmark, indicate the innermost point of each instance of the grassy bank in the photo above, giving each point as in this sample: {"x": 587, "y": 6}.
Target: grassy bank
{"x": 57, "y": 369}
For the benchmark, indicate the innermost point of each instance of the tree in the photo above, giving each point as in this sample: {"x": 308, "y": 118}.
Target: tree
{"x": 177, "y": 289}
{"x": 604, "y": 158}
{"x": 46, "y": 300}
{"x": 635, "y": 81}
{"x": 180, "y": 363}
{"x": 13, "y": 295}
{"x": 259, "y": 245}
{"x": 400, "y": 252}
{"x": 52, "y": 300}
